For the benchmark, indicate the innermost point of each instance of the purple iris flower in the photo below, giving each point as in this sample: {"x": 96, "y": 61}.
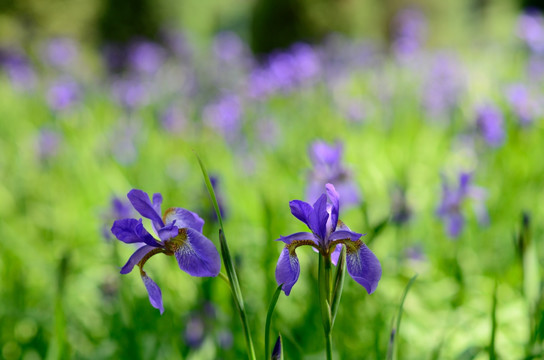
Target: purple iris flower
{"x": 328, "y": 168}
{"x": 62, "y": 94}
{"x": 146, "y": 57}
{"x": 410, "y": 33}
{"x": 523, "y": 103}
{"x": 18, "y": 69}
{"x": 531, "y": 30}
{"x": 489, "y": 121}
{"x": 61, "y": 52}
{"x": 180, "y": 234}
{"x": 327, "y": 236}
{"x": 452, "y": 199}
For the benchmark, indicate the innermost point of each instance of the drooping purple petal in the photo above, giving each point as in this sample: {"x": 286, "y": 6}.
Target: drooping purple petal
{"x": 297, "y": 237}
{"x": 301, "y": 210}
{"x": 135, "y": 258}
{"x": 287, "y": 270}
{"x": 317, "y": 221}
{"x": 363, "y": 266}
{"x": 155, "y": 294}
{"x": 184, "y": 219}
{"x": 140, "y": 200}
{"x": 455, "y": 222}
{"x": 198, "y": 255}
{"x": 335, "y": 201}
{"x": 132, "y": 231}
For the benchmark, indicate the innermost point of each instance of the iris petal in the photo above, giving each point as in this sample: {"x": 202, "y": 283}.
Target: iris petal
{"x": 135, "y": 258}
{"x": 334, "y": 199}
{"x": 184, "y": 219}
{"x": 363, "y": 266}
{"x": 155, "y": 294}
{"x": 140, "y": 200}
{"x": 198, "y": 256}
{"x": 287, "y": 270}
{"x": 345, "y": 235}
{"x": 301, "y": 210}
{"x": 297, "y": 236}
{"x": 124, "y": 230}
{"x": 317, "y": 220}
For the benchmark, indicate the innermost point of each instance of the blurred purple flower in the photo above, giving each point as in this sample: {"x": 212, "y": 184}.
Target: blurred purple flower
{"x": 129, "y": 92}
{"x": 410, "y": 32}
{"x": 328, "y": 235}
{"x": 173, "y": 119}
{"x": 443, "y": 86}
{"x": 18, "y": 69}
{"x": 328, "y": 168}
{"x": 489, "y": 121}
{"x": 146, "y": 57}
{"x": 450, "y": 208}
{"x": 224, "y": 116}
{"x": 61, "y": 52}
{"x": 48, "y": 143}
{"x": 228, "y": 47}
{"x": 284, "y": 71}
{"x": 63, "y": 94}
{"x": 523, "y": 103}
{"x": 531, "y": 30}
{"x": 119, "y": 209}
{"x": 180, "y": 234}
{"x": 194, "y": 333}
{"x": 400, "y": 210}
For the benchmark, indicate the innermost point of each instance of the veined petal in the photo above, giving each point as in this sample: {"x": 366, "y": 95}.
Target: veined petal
{"x": 301, "y": 210}
{"x": 135, "y": 258}
{"x": 140, "y": 200}
{"x": 363, "y": 266}
{"x": 335, "y": 201}
{"x": 198, "y": 256}
{"x": 297, "y": 236}
{"x": 287, "y": 270}
{"x": 155, "y": 294}
{"x": 168, "y": 232}
{"x": 317, "y": 220}
{"x": 184, "y": 219}
{"x": 345, "y": 235}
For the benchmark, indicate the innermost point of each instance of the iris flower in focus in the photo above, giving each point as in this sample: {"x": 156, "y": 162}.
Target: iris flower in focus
{"x": 327, "y": 236}
{"x": 180, "y": 234}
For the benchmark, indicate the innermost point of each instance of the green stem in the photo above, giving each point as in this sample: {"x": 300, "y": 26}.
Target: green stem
{"x": 271, "y": 308}
{"x": 324, "y": 279}
{"x": 229, "y": 265}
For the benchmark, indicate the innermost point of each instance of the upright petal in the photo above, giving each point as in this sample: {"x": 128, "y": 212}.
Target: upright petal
{"x": 301, "y": 210}
{"x": 135, "y": 258}
{"x": 157, "y": 202}
{"x": 287, "y": 270}
{"x": 155, "y": 294}
{"x": 363, "y": 266}
{"x": 140, "y": 200}
{"x": 184, "y": 219}
{"x": 317, "y": 220}
{"x": 197, "y": 255}
{"x": 334, "y": 198}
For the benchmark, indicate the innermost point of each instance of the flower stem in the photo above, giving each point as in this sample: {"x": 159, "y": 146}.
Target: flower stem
{"x": 324, "y": 279}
